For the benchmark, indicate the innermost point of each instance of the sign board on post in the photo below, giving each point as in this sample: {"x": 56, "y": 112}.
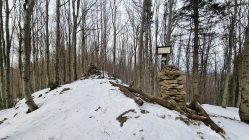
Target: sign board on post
{"x": 164, "y": 51}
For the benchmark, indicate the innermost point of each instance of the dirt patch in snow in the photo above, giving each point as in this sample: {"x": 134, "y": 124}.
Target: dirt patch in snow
{"x": 122, "y": 118}
{"x": 2, "y": 121}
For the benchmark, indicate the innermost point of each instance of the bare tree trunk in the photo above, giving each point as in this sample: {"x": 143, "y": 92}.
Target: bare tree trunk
{"x": 69, "y": 43}
{"x": 216, "y": 82}
{"x": 235, "y": 81}
{"x": 151, "y": 65}
{"x": 244, "y": 105}
{"x": 83, "y": 44}
{"x": 135, "y": 58}
{"x": 235, "y": 75}
{"x": 228, "y": 61}
{"x": 2, "y": 46}
{"x": 156, "y": 83}
{"x": 9, "y": 100}
{"x": 103, "y": 35}
{"x": 2, "y": 92}
{"x": 57, "y": 42}
{"x": 1, "y": 76}
{"x": 169, "y": 27}
{"x": 48, "y": 79}
{"x": 33, "y": 48}
{"x": 204, "y": 65}
{"x": 188, "y": 78}
{"x": 97, "y": 43}
{"x": 20, "y": 49}
{"x": 74, "y": 37}
{"x": 146, "y": 57}
{"x": 28, "y": 10}
{"x": 179, "y": 50}
{"x": 141, "y": 46}
{"x": 114, "y": 18}
{"x": 196, "y": 52}
{"x": 238, "y": 100}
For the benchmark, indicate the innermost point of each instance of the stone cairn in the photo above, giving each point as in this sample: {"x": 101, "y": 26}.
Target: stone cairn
{"x": 91, "y": 72}
{"x": 171, "y": 85}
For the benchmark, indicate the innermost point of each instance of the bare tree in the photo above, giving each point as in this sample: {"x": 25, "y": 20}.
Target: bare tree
{"x": 2, "y": 92}
{"x": 140, "y": 45}
{"x": 103, "y": 22}
{"x": 169, "y": 26}
{"x": 196, "y": 51}
{"x": 47, "y": 43}
{"x": 244, "y": 105}
{"x": 74, "y": 34}
{"x": 28, "y": 11}
{"x": 114, "y": 7}
{"x": 227, "y": 65}
{"x": 20, "y": 49}
{"x": 9, "y": 100}
{"x": 57, "y": 42}
{"x": 69, "y": 43}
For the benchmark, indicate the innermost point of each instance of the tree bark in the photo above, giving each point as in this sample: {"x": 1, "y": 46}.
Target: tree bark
{"x": 28, "y": 11}
{"x": 114, "y": 18}
{"x": 236, "y": 64}
{"x": 140, "y": 47}
{"x": 229, "y": 54}
{"x": 20, "y": 49}
{"x": 48, "y": 79}
{"x": 195, "y": 91}
{"x": 2, "y": 91}
{"x": 83, "y": 43}
{"x": 69, "y": 43}
{"x": 228, "y": 62}
{"x": 244, "y": 105}
{"x": 74, "y": 37}
{"x": 169, "y": 28}
{"x": 57, "y": 42}
{"x": 156, "y": 82}
{"x": 9, "y": 99}
{"x": 127, "y": 93}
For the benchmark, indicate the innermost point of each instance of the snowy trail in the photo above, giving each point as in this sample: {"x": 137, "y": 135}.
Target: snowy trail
{"x": 87, "y": 110}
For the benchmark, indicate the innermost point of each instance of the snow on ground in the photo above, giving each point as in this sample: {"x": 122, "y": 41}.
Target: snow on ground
{"x": 88, "y": 110}
{"x": 228, "y": 118}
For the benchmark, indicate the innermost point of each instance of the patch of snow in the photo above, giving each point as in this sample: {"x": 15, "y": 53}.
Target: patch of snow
{"x": 229, "y": 112}
{"x": 228, "y": 118}
{"x": 88, "y": 109}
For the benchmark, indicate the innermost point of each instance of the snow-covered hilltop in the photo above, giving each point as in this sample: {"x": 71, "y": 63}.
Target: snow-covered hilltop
{"x": 91, "y": 109}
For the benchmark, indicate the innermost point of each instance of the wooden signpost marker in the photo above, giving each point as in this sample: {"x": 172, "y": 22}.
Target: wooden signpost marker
{"x": 164, "y": 51}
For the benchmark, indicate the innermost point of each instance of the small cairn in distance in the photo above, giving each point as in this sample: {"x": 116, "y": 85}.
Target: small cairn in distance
{"x": 172, "y": 85}
{"x": 92, "y": 71}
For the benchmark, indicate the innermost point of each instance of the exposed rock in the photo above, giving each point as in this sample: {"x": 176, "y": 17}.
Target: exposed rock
{"x": 171, "y": 84}
{"x": 92, "y": 71}
{"x": 122, "y": 118}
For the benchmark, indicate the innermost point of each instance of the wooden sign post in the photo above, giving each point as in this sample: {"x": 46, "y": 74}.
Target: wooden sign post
{"x": 164, "y": 51}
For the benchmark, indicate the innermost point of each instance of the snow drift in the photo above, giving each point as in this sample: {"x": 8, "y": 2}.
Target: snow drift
{"x": 88, "y": 110}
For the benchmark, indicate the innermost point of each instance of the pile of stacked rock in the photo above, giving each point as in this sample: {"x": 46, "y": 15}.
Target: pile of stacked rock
{"x": 171, "y": 84}
{"x": 91, "y": 72}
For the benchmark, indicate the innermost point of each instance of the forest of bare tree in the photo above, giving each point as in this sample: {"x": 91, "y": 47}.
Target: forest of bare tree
{"x": 45, "y": 43}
